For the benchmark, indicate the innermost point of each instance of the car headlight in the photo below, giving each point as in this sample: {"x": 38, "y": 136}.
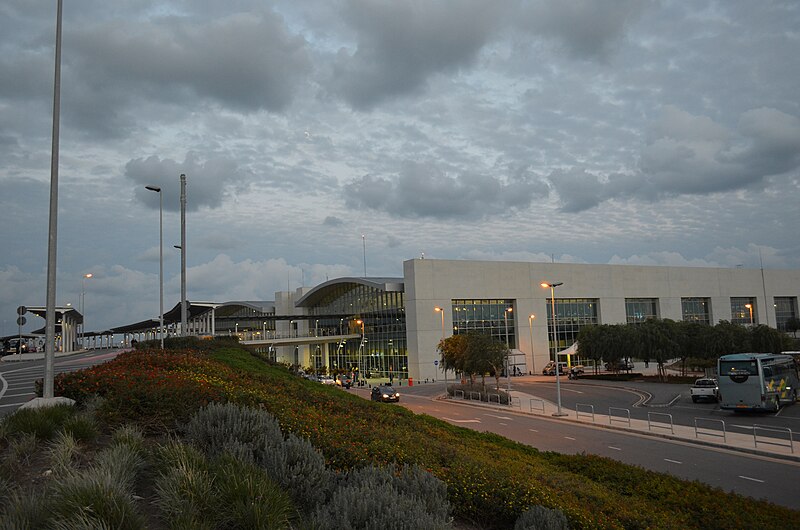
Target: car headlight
{"x": 386, "y": 395}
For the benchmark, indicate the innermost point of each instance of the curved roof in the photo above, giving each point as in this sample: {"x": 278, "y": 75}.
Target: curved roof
{"x": 313, "y": 296}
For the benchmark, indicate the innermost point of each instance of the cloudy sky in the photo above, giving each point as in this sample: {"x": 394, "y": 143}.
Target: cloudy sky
{"x": 643, "y": 132}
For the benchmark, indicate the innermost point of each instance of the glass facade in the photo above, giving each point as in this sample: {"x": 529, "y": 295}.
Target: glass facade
{"x": 741, "y": 314}
{"x": 572, "y": 315}
{"x": 696, "y": 310}
{"x": 785, "y": 309}
{"x": 637, "y": 310}
{"x": 381, "y": 350}
{"x": 489, "y": 317}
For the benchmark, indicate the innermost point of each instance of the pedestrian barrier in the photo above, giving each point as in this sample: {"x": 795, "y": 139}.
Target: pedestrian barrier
{"x": 589, "y": 414}
{"x": 612, "y": 417}
{"x": 498, "y": 398}
{"x": 515, "y": 401}
{"x": 473, "y": 394}
{"x": 539, "y": 402}
{"x": 709, "y": 431}
{"x": 457, "y": 392}
{"x": 659, "y": 423}
{"x": 781, "y": 442}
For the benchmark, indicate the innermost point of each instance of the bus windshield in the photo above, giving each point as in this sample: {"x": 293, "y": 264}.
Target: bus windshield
{"x": 747, "y": 367}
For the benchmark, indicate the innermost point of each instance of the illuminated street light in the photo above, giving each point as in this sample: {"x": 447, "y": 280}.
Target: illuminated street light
{"x": 83, "y": 307}
{"x": 508, "y": 353}
{"x": 530, "y": 326}
{"x": 552, "y": 287}
{"x": 444, "y": 364}
{"x": 750, "y": 307}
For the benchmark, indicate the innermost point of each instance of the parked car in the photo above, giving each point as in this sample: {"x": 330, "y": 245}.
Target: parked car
{"x": 325, "y": 380}
{"x": 622, "y": 365}
{"x": 384, "y": 393}
{"x": 550, "y": 368}
{"x": 705, "y": 388}
{"x": 344, "y": 381}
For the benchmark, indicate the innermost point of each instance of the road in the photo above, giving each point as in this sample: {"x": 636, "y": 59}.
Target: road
{"x": 17, "y": 378}
{"x": 760, "y": 477}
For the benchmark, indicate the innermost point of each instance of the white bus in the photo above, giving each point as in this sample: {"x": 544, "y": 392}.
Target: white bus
{"x": 757, "y": 381}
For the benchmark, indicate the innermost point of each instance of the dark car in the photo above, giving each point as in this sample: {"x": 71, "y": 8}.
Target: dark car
{"x": 384, "y": 393}
{"x": 622, "y": 365}
{"x": 344, "y": 381}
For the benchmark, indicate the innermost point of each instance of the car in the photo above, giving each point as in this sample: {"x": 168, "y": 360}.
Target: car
{"x": 325, "y": 380}
{"x": 384, "y": 393}
{"x": 344, "y": 381}
{"x": 705, "y": 388}
{"x": 622, "y": 365}
{"x": 550, "y": 368}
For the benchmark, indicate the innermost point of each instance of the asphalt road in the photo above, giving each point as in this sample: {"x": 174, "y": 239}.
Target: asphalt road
{"x": 17, "y": 378}
{"x": 773, "y": 479}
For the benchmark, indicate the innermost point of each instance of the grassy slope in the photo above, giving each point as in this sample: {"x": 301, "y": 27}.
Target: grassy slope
{"x": 489, "y": 477}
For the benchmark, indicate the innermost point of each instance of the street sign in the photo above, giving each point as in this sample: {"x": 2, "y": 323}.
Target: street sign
{"x": 436, "y": 363}
{"x": 21, "y": 310}
{"x": 21, "y": 321}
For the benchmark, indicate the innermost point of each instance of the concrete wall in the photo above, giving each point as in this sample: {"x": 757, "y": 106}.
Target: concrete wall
{"x": 430, "y": 283}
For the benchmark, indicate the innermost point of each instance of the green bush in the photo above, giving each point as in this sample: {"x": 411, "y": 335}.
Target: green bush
{"x": 43, "y": 422}
{"x": 99, "y": 496}
{"x": 541, "y": 518}
{"x": 373, "y": 498}
{"x": 215, "y": 427}
{"x": 300, "y": 469}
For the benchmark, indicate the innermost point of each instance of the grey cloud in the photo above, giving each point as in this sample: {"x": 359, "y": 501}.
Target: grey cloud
{"x": 692, "y": 155}
{"x": 401, "y": 44}
{"x": 586, "y": 28}
{"x": 425, "y": 191}
{"x": 332, "y": 221}
{"x": 207, "y": 181}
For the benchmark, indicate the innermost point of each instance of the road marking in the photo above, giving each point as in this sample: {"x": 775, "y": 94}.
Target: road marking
{"x": 461, "y": 421}
{"x": 505, "y": 424}
{"x": 750, "y": 478}
{"x": 20, "y": 395}
{"x": 742, "y": 426}
{"x": 570, "y": 438}
{"x": 672, "y": 461}
{"x": 533, "y": 430}
{"x": 498, "y": 417}
{"x": 614, "y": 448}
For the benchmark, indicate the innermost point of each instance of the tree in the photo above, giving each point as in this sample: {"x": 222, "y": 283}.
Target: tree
{"x": 453, "y": 353}
{"x": 792, "y": 325}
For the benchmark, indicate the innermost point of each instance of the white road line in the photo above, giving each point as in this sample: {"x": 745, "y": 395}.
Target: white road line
{"x": 505, "y": 424}
{"x": 498, "y": 417}
{"x": 533, "y": 430}
{"x": 672, "y": 461}
{"x": 20, "y": 395}
{"x": 461, "y": 421}
{"x": 569, "y": 438}
{"x": 751, "y": 478}
{"x": 742, "y": 426}
{"x": 614, "y": 448}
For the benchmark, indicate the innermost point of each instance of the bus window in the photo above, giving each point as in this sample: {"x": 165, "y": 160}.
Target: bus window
{"x": 738, "y": 368}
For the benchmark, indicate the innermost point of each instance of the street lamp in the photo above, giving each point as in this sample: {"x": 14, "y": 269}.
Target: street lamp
{"x": 750, "y": 308}
{"x": 530, "y": 326}
{"x": 83, "y": 306}
{"x": 508, "y": 352}
{"x": 444, "y": 364}
{"x": 552, "y": 287}
{"x": 160, "y": 261}
{"x": 361, "y": 346}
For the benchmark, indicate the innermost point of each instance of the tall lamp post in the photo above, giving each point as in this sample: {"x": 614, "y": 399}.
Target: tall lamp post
{"x": 160, "y": 261}
{"x": 508, "y": 352}
{"x": 750, "y": 307}
{"x": 444, "y": 364}
{"x": 361, "y": 346}
{"x": 552, "y": 287}
{"x": 83, "y": 306}
{"x": 184, "y": 308}
{"x": 530, "y": 327}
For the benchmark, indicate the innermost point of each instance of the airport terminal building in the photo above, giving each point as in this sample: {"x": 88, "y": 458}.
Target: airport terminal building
{"x": 390, "y": 327}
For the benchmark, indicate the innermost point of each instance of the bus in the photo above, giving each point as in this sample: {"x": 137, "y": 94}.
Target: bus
{"x": 757, "y": 381}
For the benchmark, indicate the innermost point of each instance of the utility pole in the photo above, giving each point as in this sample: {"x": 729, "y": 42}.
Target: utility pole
{"x": 184, "y": 309}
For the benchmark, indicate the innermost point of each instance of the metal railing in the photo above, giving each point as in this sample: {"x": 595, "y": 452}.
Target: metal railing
{"x": 492, "y": 395}
{"x": 586, "y": 407}
{"x": 457, "y": 392}
{"x": 540, "y": 402}
{"x": 515, "y": 401}
{"x": 707, "y": 431}
{"x": 473, "y": 394}
{"x": 771, "y": 441}
{"x": 658, "y": 423}
{"x": 617, "y": 417}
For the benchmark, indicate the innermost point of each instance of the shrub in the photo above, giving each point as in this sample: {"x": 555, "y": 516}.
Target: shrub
{"x": 96, "y": 495}
{"x": 184, "y": 487}
{"x": 541, "y": 518}
{"x": 248, "y": 498}
{"x": 300, "y": 469}
{"x": 63, "y": 453}
{"x": 82, "y": 427}
{"x": 215, "y": 427}
{"x": 25, "y": 509}
{"x": 21, "y": 449}
{"x": 130, "y": 436}
{"x": 372, "y": 499}
{"x": 42, "y": 422}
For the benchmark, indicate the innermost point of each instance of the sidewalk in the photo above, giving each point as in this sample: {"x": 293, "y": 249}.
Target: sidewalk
{"x": 708, "y": 432}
